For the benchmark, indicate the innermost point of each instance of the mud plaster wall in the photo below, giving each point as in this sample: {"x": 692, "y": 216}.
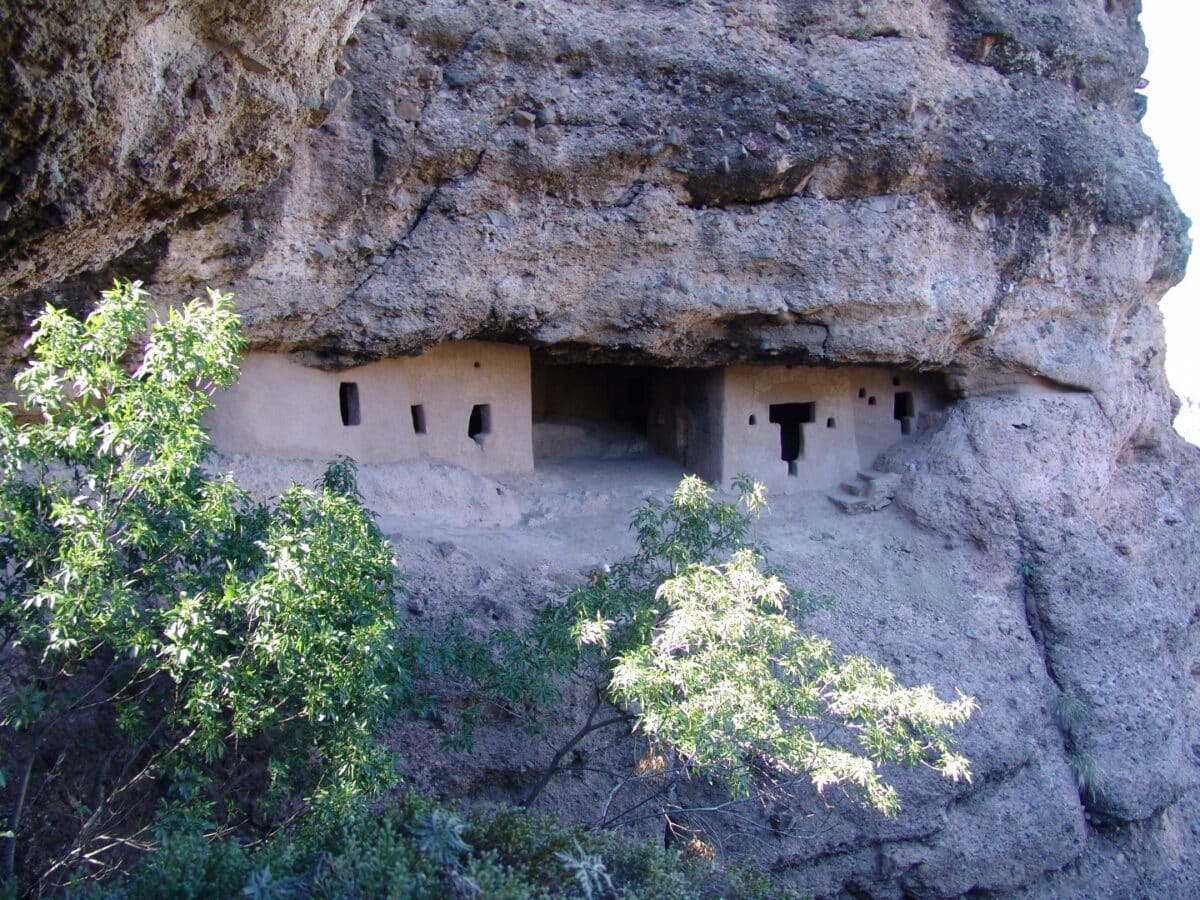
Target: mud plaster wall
{"x": 714, "y": 422}
{"x": 285, "y": 410}
{"x": 847, "y": 432}
{"x": 685, "y": 419}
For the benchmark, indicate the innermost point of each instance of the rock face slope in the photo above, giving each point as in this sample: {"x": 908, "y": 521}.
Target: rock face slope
{"x": 120, "y": 117}
{"x": 957, "y": 187}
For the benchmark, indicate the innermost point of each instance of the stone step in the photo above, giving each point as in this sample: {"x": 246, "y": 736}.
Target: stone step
{"x": 873, "y": 491}
{"x": 848, "y": 503}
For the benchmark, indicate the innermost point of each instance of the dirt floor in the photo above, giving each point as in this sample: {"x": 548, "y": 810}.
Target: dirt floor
{"x": 568, "y": 517}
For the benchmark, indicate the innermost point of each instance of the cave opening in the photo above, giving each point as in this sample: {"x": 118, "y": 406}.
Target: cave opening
{"x": 582, "y": 411}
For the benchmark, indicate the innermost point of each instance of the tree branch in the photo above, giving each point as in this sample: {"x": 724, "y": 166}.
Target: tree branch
{"x": 588, "y": 727}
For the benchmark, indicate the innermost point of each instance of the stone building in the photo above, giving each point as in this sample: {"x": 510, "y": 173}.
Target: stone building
{"x": 806, "y": 428}
{"x": 493, "y": 408}
{"x": 464, "y": 403}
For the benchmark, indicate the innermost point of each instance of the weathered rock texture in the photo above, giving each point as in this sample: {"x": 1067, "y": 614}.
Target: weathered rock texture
{"x": 119, "y": 117}
{"x": 946, "y": 186}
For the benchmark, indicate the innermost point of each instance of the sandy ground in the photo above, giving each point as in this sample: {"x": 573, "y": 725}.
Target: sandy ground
{"x": 507, "y": 543}
{"x": 571, "y": 516}
{"x": 493, "y": 550}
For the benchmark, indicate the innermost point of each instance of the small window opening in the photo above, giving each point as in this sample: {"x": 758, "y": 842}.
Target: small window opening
{"x": 753, "y": 420}
{"x": 480, "y": 424}
{"x": 790, "y": 417}
{"x": 418, "y": 418}
{"x": 870, "y": 401}
{"x": 831, "y": 422}
{"x": 477, "y": 365}
{"x": 895, "y": 381}
{"x": 348, "y": 403}
{"x": 862, "y": 392}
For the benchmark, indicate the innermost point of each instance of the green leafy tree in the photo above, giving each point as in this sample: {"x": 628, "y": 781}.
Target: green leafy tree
{"x": 732, "y": 686}
{"x": 698, "y": 644}
{"x": 149, "y": 605}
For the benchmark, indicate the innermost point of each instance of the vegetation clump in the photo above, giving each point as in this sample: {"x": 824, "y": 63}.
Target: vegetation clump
{"x": 697, "y": 641}
{"x": 213, "y": 650}
{"x": 502, "y": 853}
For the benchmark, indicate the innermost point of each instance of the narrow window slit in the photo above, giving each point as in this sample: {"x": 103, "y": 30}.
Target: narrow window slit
{"x": 480, "y": 424}
{"x": 418, "y": 418}
{"x": 348, "y": 403}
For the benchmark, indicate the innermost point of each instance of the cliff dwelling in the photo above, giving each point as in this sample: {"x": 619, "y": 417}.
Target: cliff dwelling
{"x": 466, "y": 403}
{"x": 496, "y": 408}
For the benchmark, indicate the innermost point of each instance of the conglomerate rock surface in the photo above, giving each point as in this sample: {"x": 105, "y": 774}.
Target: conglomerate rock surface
{"x": 960, "y": 187}
{"x": 119, "y": 117}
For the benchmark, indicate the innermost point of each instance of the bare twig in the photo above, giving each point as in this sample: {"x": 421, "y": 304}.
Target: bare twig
{"x": 587, "y": 728}
{"x": 14, "y": 819}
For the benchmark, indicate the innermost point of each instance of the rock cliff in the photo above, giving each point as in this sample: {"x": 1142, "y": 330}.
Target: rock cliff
{"x": 120, "y": 117}
{"x": 956, "y": 187}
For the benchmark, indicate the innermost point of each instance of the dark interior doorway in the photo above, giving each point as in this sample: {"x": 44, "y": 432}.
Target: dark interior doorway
{"x": 590, "y": 411}
{"x": 903, "y": 410}
{"x": 348, "y": 404}
{"x": 479, "y": 426}
{"x": 790, "y": 417}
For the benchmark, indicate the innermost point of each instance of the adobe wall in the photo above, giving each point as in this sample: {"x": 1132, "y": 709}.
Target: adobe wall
{"x": 853, "y": 420}
{"x": 685, "y": 419}
{"x": 714, "y": 422}
{"x": 281, "y": 409}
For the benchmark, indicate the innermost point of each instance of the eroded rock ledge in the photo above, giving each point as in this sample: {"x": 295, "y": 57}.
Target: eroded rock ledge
{"x": 121, "y": 117}
{"x": 683, "y": 183}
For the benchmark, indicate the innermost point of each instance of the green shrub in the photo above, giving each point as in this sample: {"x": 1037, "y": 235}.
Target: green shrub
{"x": 730, "y": 685}
{"x": 383, "y": 853}
{"x": 700, "y": 642}
{"x": 214, "y": 636}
